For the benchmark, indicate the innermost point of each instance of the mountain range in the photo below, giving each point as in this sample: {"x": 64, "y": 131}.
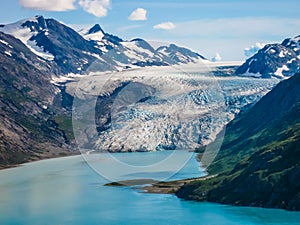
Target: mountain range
{"x": 92, "y": 49}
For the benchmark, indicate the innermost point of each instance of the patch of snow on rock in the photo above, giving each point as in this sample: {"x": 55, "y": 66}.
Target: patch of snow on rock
{"x": 8, "y": 53}
{"x": 280, "y": 70}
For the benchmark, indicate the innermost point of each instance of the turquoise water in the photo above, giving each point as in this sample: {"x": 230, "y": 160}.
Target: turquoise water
{"x": 69, "y": 191}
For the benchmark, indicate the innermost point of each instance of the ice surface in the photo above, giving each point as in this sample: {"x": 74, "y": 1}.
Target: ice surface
{"x": 180, "y": 107}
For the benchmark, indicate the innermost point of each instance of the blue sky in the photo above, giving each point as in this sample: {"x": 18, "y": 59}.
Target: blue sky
{"x": 208, "y": 27}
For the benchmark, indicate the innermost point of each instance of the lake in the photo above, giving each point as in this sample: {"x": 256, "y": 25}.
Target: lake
{"x": 70, "y": 191}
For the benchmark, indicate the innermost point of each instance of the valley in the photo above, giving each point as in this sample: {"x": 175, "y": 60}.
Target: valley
{"x": 141, "y": 116}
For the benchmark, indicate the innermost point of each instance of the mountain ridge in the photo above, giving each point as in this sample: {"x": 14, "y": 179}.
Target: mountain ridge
{"x": 75, "y": 52}
{"x": 274, "y": 60}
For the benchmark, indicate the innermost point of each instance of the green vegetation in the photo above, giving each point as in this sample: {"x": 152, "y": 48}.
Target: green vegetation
{"x": 64, "y": 123}
{"x": 259, "y": 161}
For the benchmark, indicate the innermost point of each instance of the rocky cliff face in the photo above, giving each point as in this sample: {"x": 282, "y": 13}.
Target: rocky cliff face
{"x": 258, "y": 163}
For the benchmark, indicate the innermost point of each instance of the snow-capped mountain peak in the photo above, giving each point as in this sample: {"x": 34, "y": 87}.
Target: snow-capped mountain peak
{"x": 79, "y": 52}
{"x": 29, "y": 26}
{"x": 143, "y": 44}
{"x": 95, "y": 29}
{"x": 25, "y": 30}
{"x": 274, "y": 60}
{"x": 37, "y": 24}
{"x": 180, "y": 54}
{"x": 94, "y": 33}
{"x": 293, "y": 43}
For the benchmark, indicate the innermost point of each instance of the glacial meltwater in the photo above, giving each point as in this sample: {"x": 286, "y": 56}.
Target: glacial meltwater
{"x": 70, "y": 191}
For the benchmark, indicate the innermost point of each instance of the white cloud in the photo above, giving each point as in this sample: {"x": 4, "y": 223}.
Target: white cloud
{"x": 96, "y": 7}
{"x": 47, "y": 5}
{"x": 165, "y": 26}
{"x": 253, "y": 49}
{"x": 216, "y": 58}
{"x": 138, "y": 14}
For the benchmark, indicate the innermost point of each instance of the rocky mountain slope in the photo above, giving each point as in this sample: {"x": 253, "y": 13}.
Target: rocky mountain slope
{"x": 52, "y": 40}
{"x": 258, "y": 163}
{"x": 28, "y": 129}
{"x": 274, "y": 60}
{"x": 92, "y": 49}
{"x": 121, "y": 54}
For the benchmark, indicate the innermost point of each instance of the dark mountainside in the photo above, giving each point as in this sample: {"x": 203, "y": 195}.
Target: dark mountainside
{"x": 259, "y": 161}
{"x": 65, "y": 44}
{"x": 29, "y": 129}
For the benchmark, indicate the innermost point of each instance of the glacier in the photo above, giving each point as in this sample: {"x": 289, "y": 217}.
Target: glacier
{"x": 159, "y": 108}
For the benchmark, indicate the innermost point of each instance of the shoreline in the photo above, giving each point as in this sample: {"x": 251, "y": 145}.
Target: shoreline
{"x": 150, "y": 186}
{"x": 34, "y": 160}
{"x": 67, "y": 154}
